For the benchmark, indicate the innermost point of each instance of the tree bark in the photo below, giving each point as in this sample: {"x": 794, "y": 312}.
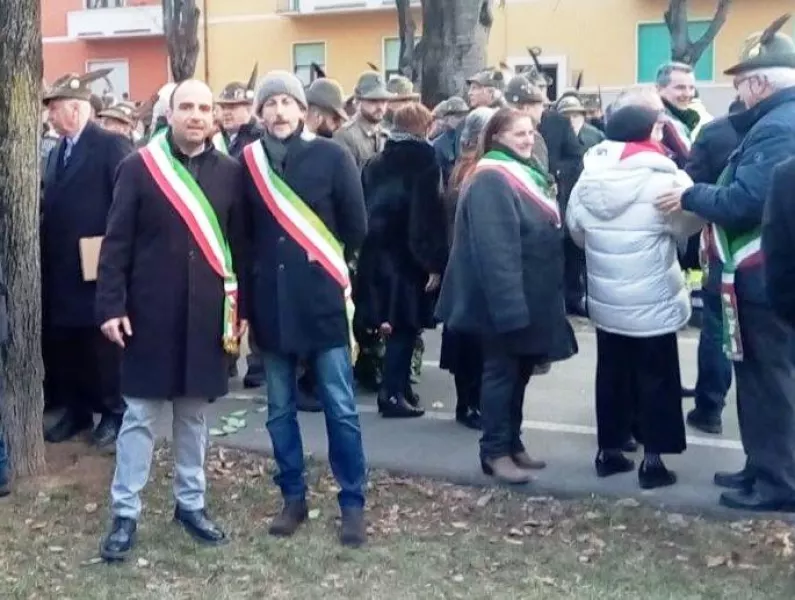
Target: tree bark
{"x": 22, "y": 400}
{"x": 454, "y": 42}
{"x": 181, "y": 24}
{"x": 683, "y": 49}
{"x": 407, "y": 29}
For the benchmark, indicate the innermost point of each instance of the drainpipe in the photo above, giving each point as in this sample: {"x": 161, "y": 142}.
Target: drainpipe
{"x": 206, "y": 42}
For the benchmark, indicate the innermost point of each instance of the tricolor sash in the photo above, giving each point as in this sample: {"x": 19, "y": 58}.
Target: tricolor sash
{"x": 219, "y": 142}
{"x": 190, "y": 202}
{"x": 530, "y": 181}
{"x": 302, "y": 225}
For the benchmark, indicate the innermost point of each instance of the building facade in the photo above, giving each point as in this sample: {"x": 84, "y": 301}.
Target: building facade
{"x": 125, "y": 35}
{"x": 614, "y": 43}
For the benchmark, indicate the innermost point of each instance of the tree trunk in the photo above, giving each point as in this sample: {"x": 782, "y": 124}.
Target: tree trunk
{"x": 407, "y": 31}
{"x": 454, "y": 41}
{"x": 181, "y": 24}
{"x": 683, "y": 49}
{"x": 22, "y": 400}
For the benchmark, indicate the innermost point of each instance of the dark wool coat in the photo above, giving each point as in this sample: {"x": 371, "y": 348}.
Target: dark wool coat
{"x": 74, "y": 204}
{"x": 504, "y": 278}
{"x": 152, "y": 270}
{"x": 778, "y": 231}
{"x": 296, "y": 307}
{"x": 250, "y": 132}
{"x": 564, "y": 152}
{"x": 406, "y": 237}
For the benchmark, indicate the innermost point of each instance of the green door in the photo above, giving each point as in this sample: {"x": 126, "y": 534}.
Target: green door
{"x": 654, "y": 49}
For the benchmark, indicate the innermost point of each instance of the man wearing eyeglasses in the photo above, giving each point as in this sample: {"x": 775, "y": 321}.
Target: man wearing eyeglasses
{"x": 755, "y": 338}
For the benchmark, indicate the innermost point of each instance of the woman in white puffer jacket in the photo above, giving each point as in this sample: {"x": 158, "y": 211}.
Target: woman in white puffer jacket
{"x": 637, "y": 297}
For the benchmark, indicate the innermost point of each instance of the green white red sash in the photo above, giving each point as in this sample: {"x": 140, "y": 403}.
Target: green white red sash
{"x": 302, "y": 225}
{"x": 219, "y": 142}
{"x": 532, "y": 183}
{"x": 190, "y": 202}
{"x": 735, "y": 252}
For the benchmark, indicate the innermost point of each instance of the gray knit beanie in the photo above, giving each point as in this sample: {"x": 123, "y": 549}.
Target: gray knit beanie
{"x": 279, "y": 82}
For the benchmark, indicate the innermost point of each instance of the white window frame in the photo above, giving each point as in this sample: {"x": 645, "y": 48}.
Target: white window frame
{"x": 126, "y": 61}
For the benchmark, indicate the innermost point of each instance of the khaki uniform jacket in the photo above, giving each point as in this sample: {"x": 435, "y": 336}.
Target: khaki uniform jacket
{"x": 361, "y": 139}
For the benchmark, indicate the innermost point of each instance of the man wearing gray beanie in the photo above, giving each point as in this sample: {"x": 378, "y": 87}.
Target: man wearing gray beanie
{"x": 306, "y": 215}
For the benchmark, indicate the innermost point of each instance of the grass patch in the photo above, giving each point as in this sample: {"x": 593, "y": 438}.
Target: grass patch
{"x": 428, "y": 540}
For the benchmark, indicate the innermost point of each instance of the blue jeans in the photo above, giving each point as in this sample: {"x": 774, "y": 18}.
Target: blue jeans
{"x": 334, "y": 375}
{"x": 714, "y": 368}
{"x": 4, "y": 467}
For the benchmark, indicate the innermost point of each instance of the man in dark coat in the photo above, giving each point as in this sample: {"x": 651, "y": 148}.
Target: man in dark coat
{"x": 755, "y": 338}
{"x": 778, "y": 235}
{"x": 707, "y": 160}
{"x": 167, "y": 296}
{"x": 82, "y": 368}
{"x": 305, "y": 211}
{"x": 238, "y": 129}
{"x": 451, "y": 114}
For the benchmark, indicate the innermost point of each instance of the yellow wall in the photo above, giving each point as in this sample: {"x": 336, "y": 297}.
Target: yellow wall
{"x": 597, "y": 36}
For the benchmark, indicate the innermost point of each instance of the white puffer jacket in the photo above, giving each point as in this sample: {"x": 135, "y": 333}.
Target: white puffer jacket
{"x": 635, "y": 286}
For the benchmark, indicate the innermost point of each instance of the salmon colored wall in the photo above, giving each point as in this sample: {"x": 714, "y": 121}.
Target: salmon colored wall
{"x": 146, "y": 57}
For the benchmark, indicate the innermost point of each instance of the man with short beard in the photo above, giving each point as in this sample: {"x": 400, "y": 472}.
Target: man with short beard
{"x": 364, "y": 135}
{"x": 167, "y": 295}
{"x": 306, "y": 217}
{"x": 326, "y": 112}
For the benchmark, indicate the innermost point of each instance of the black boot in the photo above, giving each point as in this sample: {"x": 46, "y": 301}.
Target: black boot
{"x": 612, "y": 462}
{"x": 397, "y": 407}
{"x": 653, "y": 475}
{"x": 68, "y": 427}
{"x": 708, "y": 423}
{"x": 353, "y": 530}
{"x": 199, "y": 526}
{"x": 119, "y": 541}
{"x": 741, "y": 480}
{"x": 289, "y": 520}
{"x": 467, "y": 391}
{"x": 106, "y": 432}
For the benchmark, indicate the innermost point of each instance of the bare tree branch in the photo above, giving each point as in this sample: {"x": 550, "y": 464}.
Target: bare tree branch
{"x": 683, "y": 49}
{"x": 698, "y": 47}
{"x": 181, "y": 23}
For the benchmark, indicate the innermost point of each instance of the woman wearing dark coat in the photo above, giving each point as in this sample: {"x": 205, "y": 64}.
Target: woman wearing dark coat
{"x": 504, "y": 282}
{"x": 461, "y": 352}
{"x": 404, "y": 253}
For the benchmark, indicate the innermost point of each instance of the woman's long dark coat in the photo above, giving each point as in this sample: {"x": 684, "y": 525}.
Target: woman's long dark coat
{"x": 406, "y": 239}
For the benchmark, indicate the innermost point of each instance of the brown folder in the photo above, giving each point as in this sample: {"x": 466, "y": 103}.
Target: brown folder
{"x": 89, "y": 257}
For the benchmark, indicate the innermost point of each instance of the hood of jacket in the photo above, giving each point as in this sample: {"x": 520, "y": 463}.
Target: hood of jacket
{"x": 615, "y": 173}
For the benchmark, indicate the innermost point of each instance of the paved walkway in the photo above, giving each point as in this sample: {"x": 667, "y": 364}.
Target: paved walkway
{"x": 559, "y": 428}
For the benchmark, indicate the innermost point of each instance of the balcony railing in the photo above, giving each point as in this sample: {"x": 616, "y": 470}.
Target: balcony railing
{"x": 317, "y": 7}
{"x": 115, "y": 19}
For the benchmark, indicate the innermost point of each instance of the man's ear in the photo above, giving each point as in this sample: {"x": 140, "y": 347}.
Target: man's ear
{"x": 169, "y": 114}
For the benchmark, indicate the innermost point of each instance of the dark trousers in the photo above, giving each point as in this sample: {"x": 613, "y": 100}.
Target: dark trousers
{"x": 574, "y": 273}
{"x": 714, "y": 368}
{"x": 766, "y": 398}
{"x": 255, "y": 361}
{"x": 640, "y": 377}
{"x": 83, "y": 371}
{"x": 397, "y": 362}
{"x": 505, "y": 377}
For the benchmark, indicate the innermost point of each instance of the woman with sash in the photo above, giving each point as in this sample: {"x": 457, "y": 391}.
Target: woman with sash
{"x": 504, "y": 283}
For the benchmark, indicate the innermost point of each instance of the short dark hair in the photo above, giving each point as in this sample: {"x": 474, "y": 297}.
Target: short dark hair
{"x": 664, "y": 72}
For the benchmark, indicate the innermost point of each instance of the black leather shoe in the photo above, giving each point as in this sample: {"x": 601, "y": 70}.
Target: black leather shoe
{"x": 741, "y": 480}
{"x": 119, "y": 541}
{"x": 612, "y": 463}
{"x": 655, "y": 477}
{"x": 106, "y": 431}
{"x": 630, "y": 446}
{"x": 397, "y": 407}
{"x": 706, "y": 423}
{"x": 200, "y": 526}
{"x": 753, "y": 500}
{"x": 469, "y": 418}
{"x": 5, "y": 490}
{"x": 67, "y": 428}
{"x": 413, "y": 397}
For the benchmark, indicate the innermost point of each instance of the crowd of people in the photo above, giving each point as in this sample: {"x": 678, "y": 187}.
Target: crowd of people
{"x": 332, "y": 233}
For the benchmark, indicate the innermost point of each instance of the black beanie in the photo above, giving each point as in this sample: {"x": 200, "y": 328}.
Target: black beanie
{"x": 631, "y": 124}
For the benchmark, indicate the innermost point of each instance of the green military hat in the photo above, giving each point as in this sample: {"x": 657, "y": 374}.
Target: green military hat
{"x": 570, "y": 104}
{"x": 402, "y": 87}
{"x": 521, "y": 91}
{"x": 238, "y": 92}
{"x": 493, "y": 78}
{"x": 765, "y": 50}
{"x": 371, "y": 87}
{"x": 121, "y": 111}
{"x": 74, "y": 87}
{"x": 454, "y": 106}
{"x": 327, "y": 94}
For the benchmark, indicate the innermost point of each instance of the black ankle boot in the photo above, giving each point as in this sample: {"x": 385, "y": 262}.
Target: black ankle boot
{"x": 120, "y": 540}
{"x": 655, "y": 476}
{"x": 397, "y": 407}
{"x": 612, "y": 462}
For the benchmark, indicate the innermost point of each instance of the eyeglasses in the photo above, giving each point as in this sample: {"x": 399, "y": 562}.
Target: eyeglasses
{"x": 741, "y": 80}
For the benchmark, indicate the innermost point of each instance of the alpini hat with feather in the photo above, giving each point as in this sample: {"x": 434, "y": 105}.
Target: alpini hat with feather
{"x": 73, "y": 86}
{"x": 765, "y": 50}
{"x": 238, "y": 92}
{"x": 122, "y": 111}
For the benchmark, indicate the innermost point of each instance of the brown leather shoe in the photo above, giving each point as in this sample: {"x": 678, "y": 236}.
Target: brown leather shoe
{"x": 289, "y": 520}
{"x": 503, "y": 469}
{"x": 524, "y": 461}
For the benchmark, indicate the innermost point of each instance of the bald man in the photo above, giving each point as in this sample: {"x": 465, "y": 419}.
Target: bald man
{"x": 167, "y": 295}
